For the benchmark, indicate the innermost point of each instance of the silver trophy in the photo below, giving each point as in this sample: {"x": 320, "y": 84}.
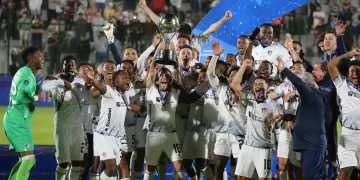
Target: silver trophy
{"x": 168, "y": 26}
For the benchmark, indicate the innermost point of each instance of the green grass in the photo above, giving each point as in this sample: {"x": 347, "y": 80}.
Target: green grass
{"x": 42, "y": 126}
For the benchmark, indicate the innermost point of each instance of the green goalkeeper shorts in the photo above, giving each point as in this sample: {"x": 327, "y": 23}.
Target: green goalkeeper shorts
{"x": 19, "y": 136}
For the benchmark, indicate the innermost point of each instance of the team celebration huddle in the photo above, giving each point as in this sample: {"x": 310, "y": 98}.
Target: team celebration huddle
{"x": 129, "y": 120}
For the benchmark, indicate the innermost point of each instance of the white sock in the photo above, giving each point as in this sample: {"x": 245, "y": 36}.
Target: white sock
{"x": 67, "y": 173}
{"x": 60, "y": 173}
{"x": 282, "y": 175}
{"x": 132, "y": 164}
{"x": 208, "y": 173}
{"x": 94, "y": 176}
{"x": 148, "y": 175}
{"x": 232, "y": 169}
{"x": 103, "y": 176}
{"x": 137, "y": 175}
{"x": 225, "y": 174}
{"x": 179, "y": 175}
{"x": 162, "y": 171}
{"x": 75, "y": 173}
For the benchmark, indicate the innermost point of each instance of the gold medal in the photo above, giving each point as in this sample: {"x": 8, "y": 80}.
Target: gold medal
{"x": 217, "y": 101}
{"x": 163, "y": 108}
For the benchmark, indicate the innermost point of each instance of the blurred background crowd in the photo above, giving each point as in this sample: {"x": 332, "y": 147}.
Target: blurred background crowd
{"x": 73, "y": 27}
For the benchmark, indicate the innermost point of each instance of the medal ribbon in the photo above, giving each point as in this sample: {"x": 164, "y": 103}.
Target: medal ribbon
{"x": 183, "y": 72}
{"x": 163, "y": 97}
{"x": 122, "y": 94}
{"x": 230, "y": 99}
{"x": 353, "y": 85}
{"x": 216, "y": 98}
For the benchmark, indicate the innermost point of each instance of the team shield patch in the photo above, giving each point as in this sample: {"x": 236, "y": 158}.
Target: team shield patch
{"x": 26, "y": 82}
{"x": 264, "y": 110}
{"x": 269, "y": 53}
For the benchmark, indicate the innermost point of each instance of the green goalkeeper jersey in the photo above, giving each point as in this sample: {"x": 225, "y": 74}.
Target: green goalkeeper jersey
{"x": 22, "y": 104}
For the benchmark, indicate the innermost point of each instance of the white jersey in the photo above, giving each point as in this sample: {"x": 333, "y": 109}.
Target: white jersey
{"x": 270, "y": 54}
{"x": 94, "y": 112}
{"x": 348, "y": 97}
{"x": 284, "y": 88}
{"x": 161, "y": 117}
{"x": 211, "y": 109}
{"x": 112, "y": 113}
{"x": 259, "y": 124}
{"x": 229, "y": 119}
{"x": 66, "y": 103}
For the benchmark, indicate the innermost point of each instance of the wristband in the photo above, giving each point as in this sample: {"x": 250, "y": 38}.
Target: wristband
{"x": 36, "y": 98}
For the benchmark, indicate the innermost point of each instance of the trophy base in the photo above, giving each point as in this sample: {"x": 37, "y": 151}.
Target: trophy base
{"x": 166, "y": 57}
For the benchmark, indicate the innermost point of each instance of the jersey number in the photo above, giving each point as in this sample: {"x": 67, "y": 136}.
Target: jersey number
{"x": 267, "y": 164}
{"x": 177, "y": 148}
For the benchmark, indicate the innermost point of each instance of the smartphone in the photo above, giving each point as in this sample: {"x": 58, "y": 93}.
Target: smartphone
{"x": 254, "y": 34}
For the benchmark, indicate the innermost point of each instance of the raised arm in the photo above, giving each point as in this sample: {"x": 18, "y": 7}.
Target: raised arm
{"x": 141, "y": 62}
{"x": 49, "y": 85}
{"x": 214, "y": 27}
{"x": 91, "y": 79}
{"x": 155, "y": 18}
{"x": 150, "y": 79}
{"x": 109, "y": 32}
{"x": 213, "y": 78}
{"x": 236, "y": 82}
{"x": 301, "y": 87}
{"x": 340, "y": 29}
{"x": 334, "y": 63}
{"x": 289, "y": 46}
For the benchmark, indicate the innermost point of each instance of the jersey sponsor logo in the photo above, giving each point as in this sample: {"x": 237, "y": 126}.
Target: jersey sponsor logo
{"x": 120, "y": 104}
{"x": 254, "y": 117}
{"x": 208, "y": 96}
{"x": 109, "y": 118}
{"x": 353, "y": 94}
{"x": 26, "y": 82}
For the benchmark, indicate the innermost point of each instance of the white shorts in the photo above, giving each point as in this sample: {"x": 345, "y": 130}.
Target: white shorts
{"x": 349, "y": 148}
{"x": 285, "y": 148}
{"x": 225, "y": 144}
{"x": 189, "y": 150}
{"x": 180, "y": 127}
{"x": 158, "y": 143}
{"x": 69, "y": 143}
{"x": 130, "y": 139}
{"x": 205, "y": 144}
{"x": 251, "y": 159}
{"x": 107, "y": 147}
{"x": 284, "y": 143}
{"x": 140, "y": 134}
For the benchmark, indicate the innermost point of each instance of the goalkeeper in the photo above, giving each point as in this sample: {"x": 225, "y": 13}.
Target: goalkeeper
{"x": 17, "y": 119}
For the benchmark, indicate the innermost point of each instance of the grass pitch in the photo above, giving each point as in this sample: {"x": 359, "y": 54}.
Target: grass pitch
{"x": 42, "y": 126}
